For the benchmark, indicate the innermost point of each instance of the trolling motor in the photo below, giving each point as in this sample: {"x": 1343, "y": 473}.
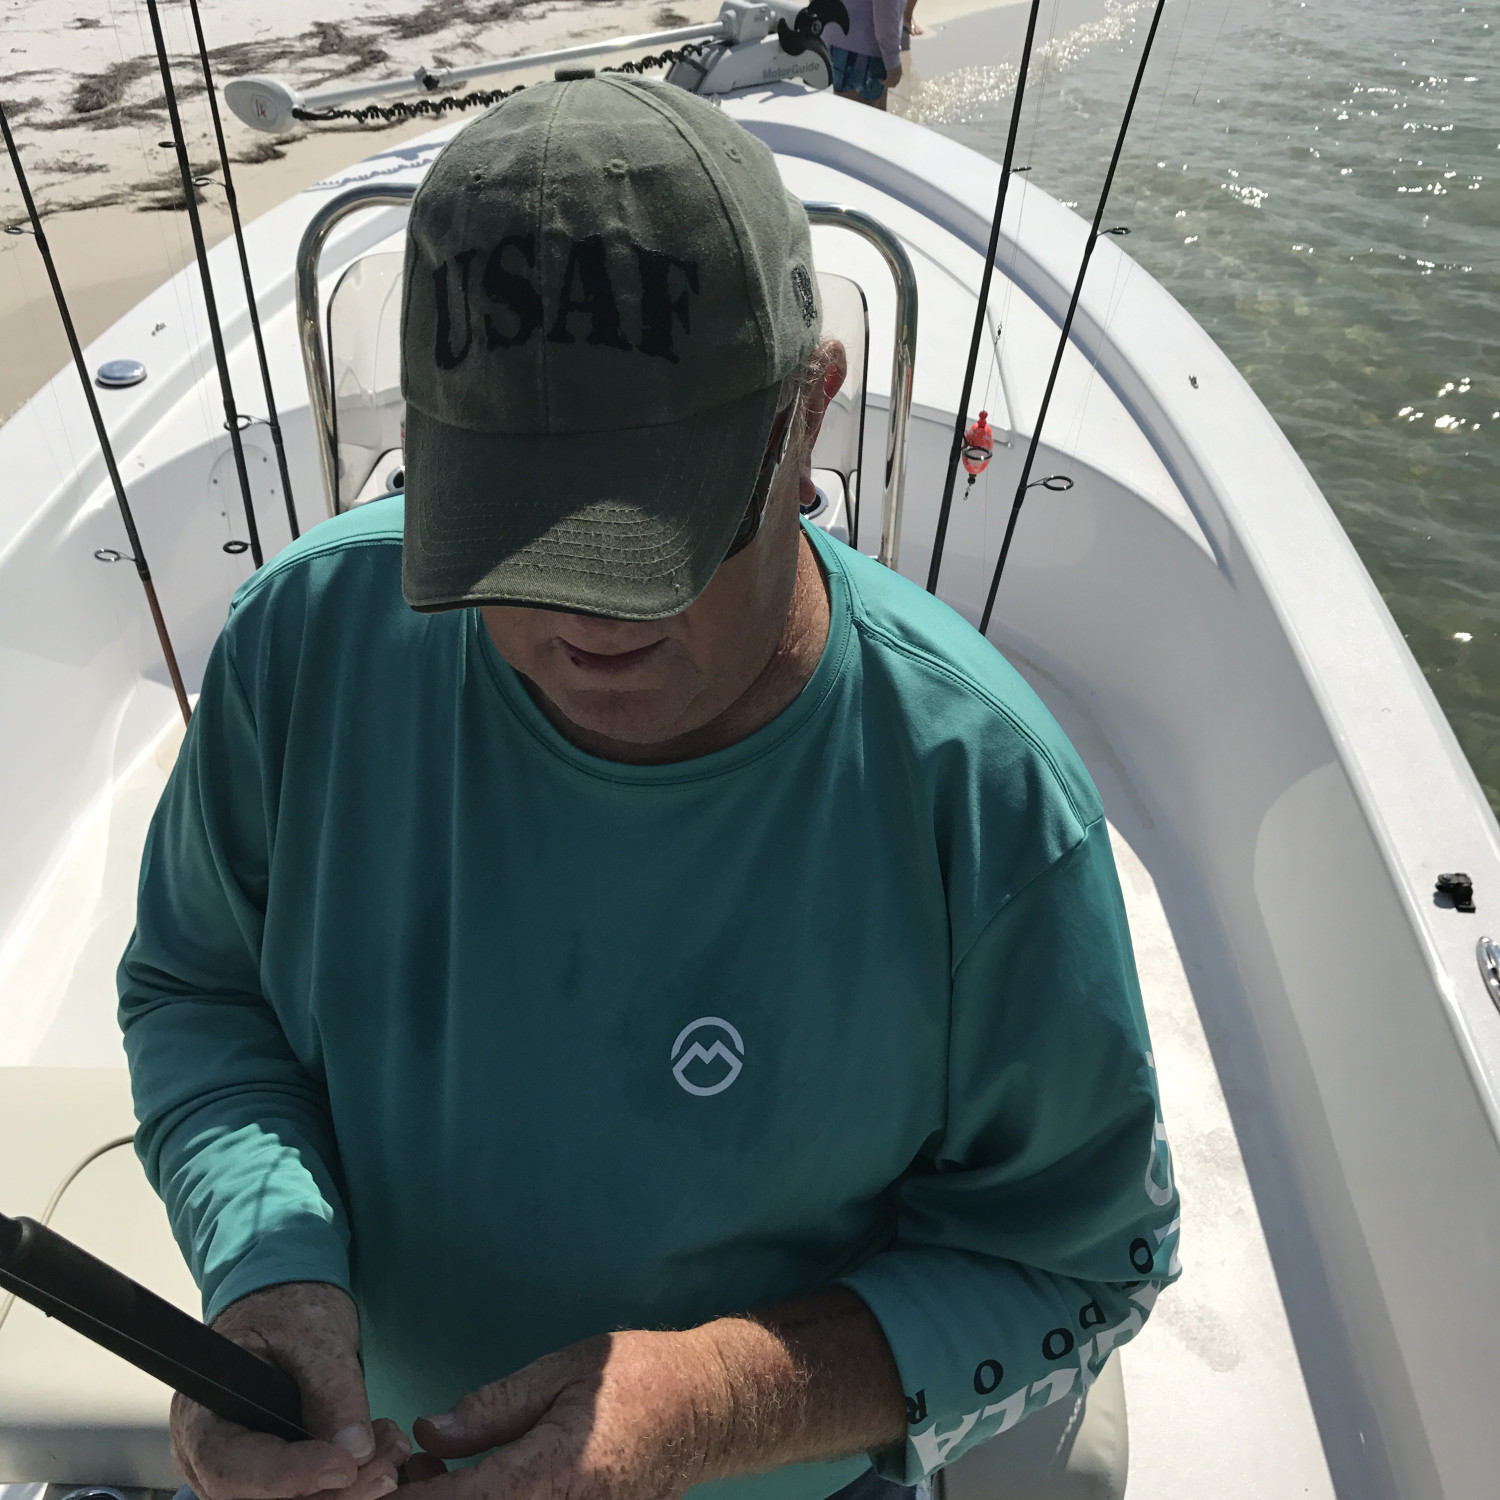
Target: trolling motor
{"x": 67, "y": 1283}
{"x": 807, "y": 30}
{"x": 767, "y": 43}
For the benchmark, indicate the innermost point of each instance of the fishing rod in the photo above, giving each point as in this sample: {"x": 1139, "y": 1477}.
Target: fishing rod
{"x": 982, "y": 308}
{"x": 273, "y": 421}
{"x": 67, "y": 1283}
{"x": 138, "y": 552}
{"x": 1062, "y": 344}
{"x": 216, "y": 332}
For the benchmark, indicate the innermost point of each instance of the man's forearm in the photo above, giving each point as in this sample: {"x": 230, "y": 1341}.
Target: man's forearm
{"x": 811, "y": 1379}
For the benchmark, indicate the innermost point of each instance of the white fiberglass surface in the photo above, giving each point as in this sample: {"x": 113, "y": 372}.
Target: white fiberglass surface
{"x": 57, "y": 968}
{"x": 1215, "y": 1396}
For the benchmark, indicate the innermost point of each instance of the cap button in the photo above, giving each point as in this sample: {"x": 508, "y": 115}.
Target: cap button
{"x": 569, "y": 75}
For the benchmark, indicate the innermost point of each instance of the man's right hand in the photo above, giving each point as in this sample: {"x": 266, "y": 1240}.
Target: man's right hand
{"x": 311, "y": 1330}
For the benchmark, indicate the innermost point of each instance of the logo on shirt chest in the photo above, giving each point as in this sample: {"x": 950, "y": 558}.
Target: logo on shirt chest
{"x": 707, "y": 1056}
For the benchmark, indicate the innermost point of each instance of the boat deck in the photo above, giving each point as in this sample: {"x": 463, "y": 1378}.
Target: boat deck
{"x": 1216, "y": 1399}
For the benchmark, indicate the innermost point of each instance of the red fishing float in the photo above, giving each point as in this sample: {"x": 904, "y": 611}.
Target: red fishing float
{"x": 979, "y": 448}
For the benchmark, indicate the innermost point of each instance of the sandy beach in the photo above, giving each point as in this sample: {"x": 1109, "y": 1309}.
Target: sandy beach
{"x": 81, "y": 88}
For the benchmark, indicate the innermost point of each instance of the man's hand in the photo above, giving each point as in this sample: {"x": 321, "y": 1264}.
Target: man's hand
{"x": 645, "y": 1416}
{"x": 893, "y": 76}
{"x": 311, "y": 1330}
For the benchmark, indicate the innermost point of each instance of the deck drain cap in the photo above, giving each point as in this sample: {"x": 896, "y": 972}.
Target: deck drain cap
{"x": 116, "y": 373}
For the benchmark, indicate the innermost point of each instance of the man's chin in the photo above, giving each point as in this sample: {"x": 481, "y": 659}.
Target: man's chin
{"x": 644, "y": 717}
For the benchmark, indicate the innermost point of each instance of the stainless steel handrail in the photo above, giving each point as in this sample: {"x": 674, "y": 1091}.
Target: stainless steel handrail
{"x": 309, "y": 322}
{"x": 903, "y": 358}
{"x": 386, "y": 195}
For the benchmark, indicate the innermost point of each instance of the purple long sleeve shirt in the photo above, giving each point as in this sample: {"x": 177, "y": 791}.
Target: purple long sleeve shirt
{"x": 874, "y": 30}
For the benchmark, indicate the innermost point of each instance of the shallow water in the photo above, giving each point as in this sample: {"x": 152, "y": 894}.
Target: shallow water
{"x": 1319, "y": 184}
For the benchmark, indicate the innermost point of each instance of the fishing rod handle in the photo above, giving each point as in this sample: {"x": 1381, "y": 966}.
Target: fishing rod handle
{"x": 94, "y": 1299}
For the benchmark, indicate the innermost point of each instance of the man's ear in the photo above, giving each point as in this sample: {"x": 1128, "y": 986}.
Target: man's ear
{"x": 829, "y": 367}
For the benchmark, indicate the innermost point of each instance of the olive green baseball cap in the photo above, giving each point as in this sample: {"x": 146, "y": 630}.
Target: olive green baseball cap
{"x": 606, "y": 287}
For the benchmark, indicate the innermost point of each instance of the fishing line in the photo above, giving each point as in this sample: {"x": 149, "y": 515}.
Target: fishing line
{"x": 187, "y": 311}
{"x": 1126, "y": 264}
{"x": 1067, "y": 327}
{"x": 1044, "y": 80}
{"x": 56, "y": 1198}
{"x": 1228, "y": 6}
{"x": 1046, "y": 55}
{"x": 36, "y": 328}
{"x": 143, "y": 572}
{"x": 1043, "y": 83}
{"x": 981, "y": 309}
{"x": 200, "y": 250}
{"x": 272, "y": 419}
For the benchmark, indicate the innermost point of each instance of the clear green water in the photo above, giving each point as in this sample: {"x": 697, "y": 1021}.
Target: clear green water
{"x": 1319, "y": 184}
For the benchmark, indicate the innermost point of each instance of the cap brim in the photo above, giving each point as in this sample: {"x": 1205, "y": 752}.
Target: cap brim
{"x": 629, "y": 524}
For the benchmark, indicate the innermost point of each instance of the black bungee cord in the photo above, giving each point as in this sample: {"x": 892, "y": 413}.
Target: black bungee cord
{"x": 138, "y": 553}
{"x": 273, "y": 421}
{"x": 960, "y": 421}
{"x": 211, "y": 306}
{"x": 1062, "y": 344}
{"x": 436, "y": 106}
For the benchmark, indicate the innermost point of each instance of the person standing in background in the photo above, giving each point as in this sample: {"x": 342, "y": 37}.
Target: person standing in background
{"x": 867, "y": 57}
{"x": 909, "y": 27}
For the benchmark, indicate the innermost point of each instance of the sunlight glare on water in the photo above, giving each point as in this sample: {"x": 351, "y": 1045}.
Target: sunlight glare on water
{"x": 1319, "y": 184}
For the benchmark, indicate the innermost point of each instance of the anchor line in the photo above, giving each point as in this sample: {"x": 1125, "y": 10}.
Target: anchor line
{"x": 273, "y": 420}
{"x": 1067, "y": 325}
{"x": 982, "y": 308}
{"x": 483, "y": 98}
{"x": 138, "y": 552}
{"x": 210, "y": 302}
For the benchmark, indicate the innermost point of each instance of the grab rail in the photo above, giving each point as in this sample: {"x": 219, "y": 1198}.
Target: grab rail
{"x": 310, "y": 325}
{"x": 387, "y": 195}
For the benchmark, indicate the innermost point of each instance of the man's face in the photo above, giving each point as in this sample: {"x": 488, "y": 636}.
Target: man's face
{"x": 644, "y": 683}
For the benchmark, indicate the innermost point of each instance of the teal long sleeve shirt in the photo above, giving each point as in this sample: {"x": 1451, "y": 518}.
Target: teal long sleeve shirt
{"x": 519, "y": 1045}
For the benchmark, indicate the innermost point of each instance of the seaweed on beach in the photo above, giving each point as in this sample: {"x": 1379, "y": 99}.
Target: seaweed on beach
{"x": 69, "y": 166}
{"x": 257, "y": 153}
{"x": 438, "y": 15}
{"x": 329, "y": 37}
{"x": 17, "y": 109}
{"x": 163, "y": 193}
{"x": 96, "y": 92}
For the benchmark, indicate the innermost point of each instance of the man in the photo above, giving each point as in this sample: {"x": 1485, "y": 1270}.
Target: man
{"x": 658, "y": 1010}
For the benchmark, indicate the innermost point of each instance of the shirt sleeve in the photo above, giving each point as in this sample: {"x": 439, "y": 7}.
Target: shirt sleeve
{"x": 235, "y": 1133}
{"x": 887, "y": 18}
{"x": 1034, "y": 1236}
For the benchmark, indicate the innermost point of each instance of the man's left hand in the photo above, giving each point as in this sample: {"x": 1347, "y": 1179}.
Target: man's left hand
{"x": 631, "y": 1416}
{"x": 645, "y": 1416}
